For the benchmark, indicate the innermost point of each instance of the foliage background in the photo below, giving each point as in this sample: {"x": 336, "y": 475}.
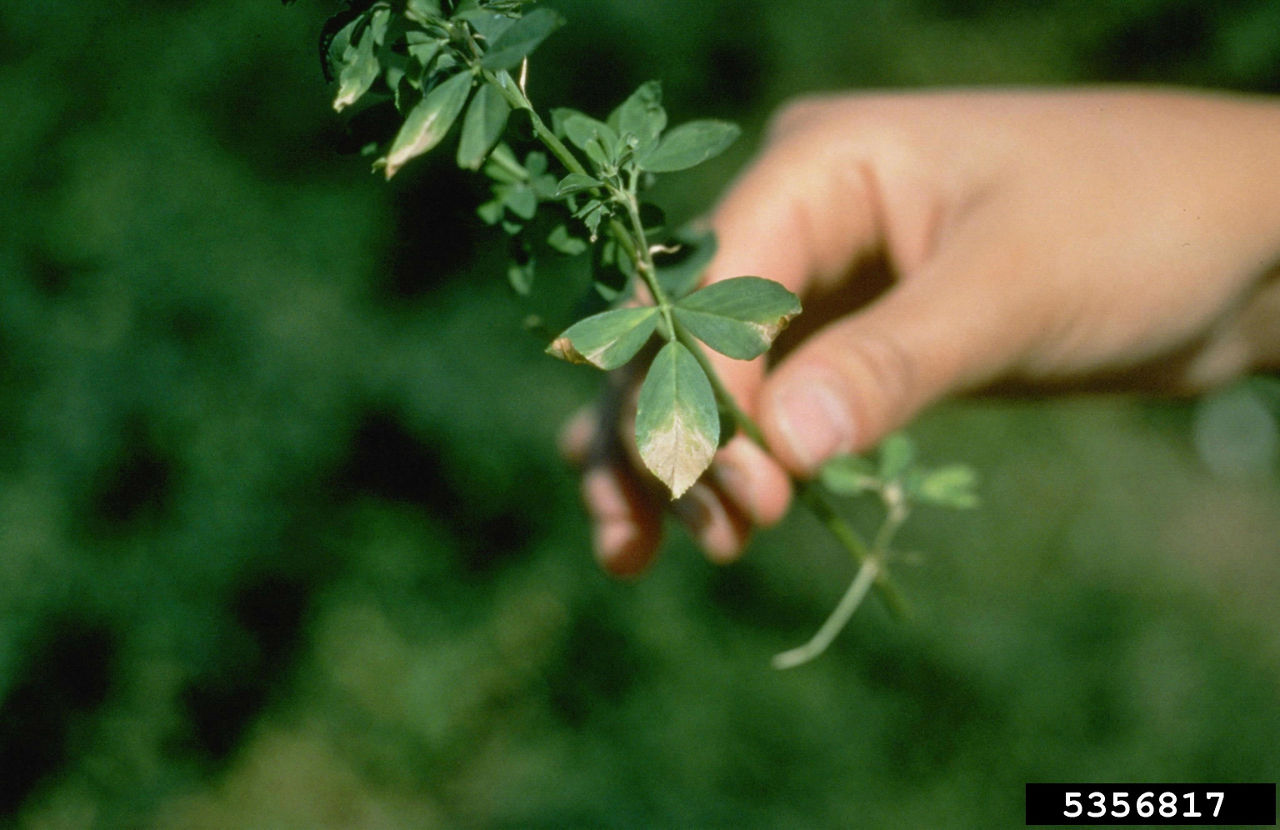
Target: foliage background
{"x": 284, "y": 540}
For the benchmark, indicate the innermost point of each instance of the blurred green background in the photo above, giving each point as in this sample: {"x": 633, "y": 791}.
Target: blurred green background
{"x": 285, "y": 541}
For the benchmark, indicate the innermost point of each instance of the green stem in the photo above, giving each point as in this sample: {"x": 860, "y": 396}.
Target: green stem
{"x": 518, "y": 100}
{"x": 634, "y": 241}
{"x": 644, "y": 259}
{"x": 810, "y": 493}
{"x": 853, "y": 596}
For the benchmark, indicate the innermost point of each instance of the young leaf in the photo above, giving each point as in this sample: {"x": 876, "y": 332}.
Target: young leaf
{"x": 952, "y": 486}
{"x": 422, "y": 47}
{"x": 677, "y": 425}
{"x": 575, "y": 183}
{"x": 642, "y": 116}
{"x": 680, "y": 272}
{"x": 606, "y": 340}
{"x": 566, "y": 243}
{"x": 596, "y": 138}
{"x": 515, "y": 44}
{"x": 848, "y": 475}
{"x": 897, "y": 453}
{"x": 521, "y": 200}
{"x": 689, "y": 145}
{"x": 521, "y": 277}
{"x": 483, "y": 126}
{"x": 428, "y": 122}
{"x": 738, "y": 317}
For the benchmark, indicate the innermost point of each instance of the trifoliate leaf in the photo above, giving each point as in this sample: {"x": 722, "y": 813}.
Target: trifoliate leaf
{"x": 642, "y": 116}
{"x": 560, "y": 239}
{"x": 738, "y": 317}
{"x": 595, "y": 138}
{"x": 677, "y": 425}
{"x": 953, "y": 486}
{"x": 606, "y": 340}
{"x": 689, "y": 145}
{"x": 521, "y": 200}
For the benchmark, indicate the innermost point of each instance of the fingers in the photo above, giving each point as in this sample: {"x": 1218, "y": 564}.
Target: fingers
{"x": 626, "y": 522}
{"x": 626, "y": 511}
{"x": 869, "y": 373}
{"x": 625, "y": 517}
{"x": 795, "y": 215}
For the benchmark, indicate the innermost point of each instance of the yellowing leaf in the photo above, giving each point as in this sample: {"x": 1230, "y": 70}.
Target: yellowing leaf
{"x": 428, "y": 123}
{"x": 606, "y": 340}
{"x": 677, "y": 425}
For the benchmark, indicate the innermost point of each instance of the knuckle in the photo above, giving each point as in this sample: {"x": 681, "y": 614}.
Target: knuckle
{"x": 887, "y": 380}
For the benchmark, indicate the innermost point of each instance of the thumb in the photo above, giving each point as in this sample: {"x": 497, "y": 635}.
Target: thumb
{"x": 869, "y": 373}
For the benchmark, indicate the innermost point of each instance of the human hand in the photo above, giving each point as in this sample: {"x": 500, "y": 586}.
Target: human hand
{"x": 1038, "y": 240}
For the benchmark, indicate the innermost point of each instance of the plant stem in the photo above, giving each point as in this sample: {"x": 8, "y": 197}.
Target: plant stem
{"x": 810, "y": 493}
{"x": 871, "y": 570}
{"x": 867, "y": 576}
{"x": 518, "y": 100}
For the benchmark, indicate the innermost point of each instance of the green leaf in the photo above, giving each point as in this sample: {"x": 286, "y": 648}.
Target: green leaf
{"x": 360, "y": 69}
{"x": 596, "y": 138}
{"x": 379, "y": 24}
{"x": 952, "y": 486}
{"x": 488, "y": 25}
{"x": 522, "y": 265}
{"x": 423, "y": 11}
{"x": 606, "y": 340}
{"x": 897, "y": 453}
{"x": 576, "y": 183}
{"x": 677, "y": 425}
{"x": 642, "y": 116}
{"x": 520, "y": 275}
{"x": 521, "y": 200}
{"x": 428, "y": 122}
{"x": 483, "y": 126}
{"x": 504, "y": 167}
{"x": 423, "y": 48}
{"x": 566, "y": 243}
{"x": 689, "y": 145}
{"x": 680, "y": 272}
{"x": 592, "y": 214}
{"x": 513, "y": 45}
{"x": 738, "y": 317}
{"x": 490, "y": 212}
{"x": 849, "y": 475}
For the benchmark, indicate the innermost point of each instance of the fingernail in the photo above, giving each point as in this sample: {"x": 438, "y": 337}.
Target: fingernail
{"x": 814, "y": 419}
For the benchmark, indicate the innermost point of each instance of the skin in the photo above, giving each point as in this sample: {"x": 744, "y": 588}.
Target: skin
{"x": 964, "y": 242}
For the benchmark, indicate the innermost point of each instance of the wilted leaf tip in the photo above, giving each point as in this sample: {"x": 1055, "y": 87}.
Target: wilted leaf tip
{"x": 563, "y": 348}
{"x": 677, "y": 453}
